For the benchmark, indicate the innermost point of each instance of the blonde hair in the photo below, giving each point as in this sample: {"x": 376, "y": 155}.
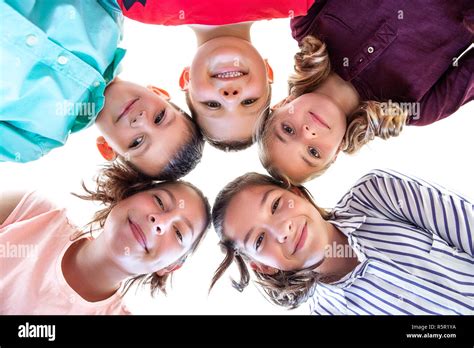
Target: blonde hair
{"x": 371, "y": 119}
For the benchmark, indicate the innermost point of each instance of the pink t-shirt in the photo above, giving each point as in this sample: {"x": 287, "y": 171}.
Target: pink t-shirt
{"x": 33, "y": 240}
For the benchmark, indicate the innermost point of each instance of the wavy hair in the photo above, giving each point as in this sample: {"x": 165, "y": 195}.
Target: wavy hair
{"x": 371, "y": 119}
{"x": 116, "y": 182}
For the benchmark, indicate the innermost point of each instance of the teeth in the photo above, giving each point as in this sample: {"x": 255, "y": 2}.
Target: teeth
{"x": 229, "y": 74}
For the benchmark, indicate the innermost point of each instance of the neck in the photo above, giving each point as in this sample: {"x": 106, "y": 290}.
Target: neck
{"x": 89, "y": 271}
{"x": 341, "y": 259}
{"x": 205, "y": 33}
{"x": 341, "y": 92}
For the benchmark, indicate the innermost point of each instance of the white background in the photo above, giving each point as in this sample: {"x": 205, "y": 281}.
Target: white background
{"x": 441, "y": 153}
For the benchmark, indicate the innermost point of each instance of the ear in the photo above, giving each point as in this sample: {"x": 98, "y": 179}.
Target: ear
{"x": 269, "y": 71}
{"x": 260, "y": 267}
{"x": 160, "y": 91}
{"x": 169, "y": 269}
{"x": 184, "y": 79}
{"x": 105, "y": 150}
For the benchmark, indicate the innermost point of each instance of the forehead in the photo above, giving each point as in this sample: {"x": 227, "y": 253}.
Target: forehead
{"x": 181, "y": 192}
{"x": 242, "y": 210}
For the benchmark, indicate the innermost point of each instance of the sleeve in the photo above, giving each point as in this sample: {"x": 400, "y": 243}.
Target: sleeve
{"x": 18, "y": 145}
{"x": 396, "y": 197}
{"x": 32, "y": 204}
{"x": 454, "y": 89}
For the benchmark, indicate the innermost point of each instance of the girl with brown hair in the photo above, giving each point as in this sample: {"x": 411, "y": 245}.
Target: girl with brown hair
{"x": 147, "y": 231}
{"x": 392, "y": 245}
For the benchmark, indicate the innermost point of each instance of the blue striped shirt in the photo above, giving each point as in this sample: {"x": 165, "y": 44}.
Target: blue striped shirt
{"x": 414, "y": 243}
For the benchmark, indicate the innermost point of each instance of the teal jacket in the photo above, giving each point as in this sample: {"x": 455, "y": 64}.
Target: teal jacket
{"x": 56, "y": 58}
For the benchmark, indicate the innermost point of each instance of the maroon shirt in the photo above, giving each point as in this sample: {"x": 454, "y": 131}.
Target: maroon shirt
{"x": 399, "y": 50}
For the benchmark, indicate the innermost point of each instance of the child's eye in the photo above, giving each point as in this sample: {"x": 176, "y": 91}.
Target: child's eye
{"x": 179, "y": 235}
{"x": 248, "y": 102}
{"x": 160, "y": 117}
{"x": 160, "y": 202}
{"x": 136, "y": 142}
{"x": 259, "y": 241}
{"x": 275, "y": 205}
{"x": 287, "y": 129}
{"x": 213, "y": 104}
{"x": 313, "y": 152}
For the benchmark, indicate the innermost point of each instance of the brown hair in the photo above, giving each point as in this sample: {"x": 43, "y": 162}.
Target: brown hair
{"x": 284, "y": 288}
{"x": 116, "y": 182}
{"x": 369, "y": 120}
{"x": 234, "y": 145}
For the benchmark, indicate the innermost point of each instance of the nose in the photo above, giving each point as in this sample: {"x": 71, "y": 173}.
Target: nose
{"x": 230, "y": 92}
{"x": 308, "y": 132}
{"x": 157, "y": 225}
{"x": 138, "y": 119}
{"x": 285, "y": 231}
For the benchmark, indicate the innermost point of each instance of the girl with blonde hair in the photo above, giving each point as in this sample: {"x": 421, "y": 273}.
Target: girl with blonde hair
{"x": 366, "y": 70}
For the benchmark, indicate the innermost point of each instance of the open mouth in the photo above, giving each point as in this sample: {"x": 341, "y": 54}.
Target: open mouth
{"x": 226, "y": 75}
{"x": 138, "y": 234}
{"x": 302, "y": 238}
{"x": 127, "y": 107}
{"x": 319, "y": 120}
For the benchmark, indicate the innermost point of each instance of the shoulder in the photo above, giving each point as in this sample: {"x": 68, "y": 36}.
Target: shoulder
{"x": 25, "y": 206}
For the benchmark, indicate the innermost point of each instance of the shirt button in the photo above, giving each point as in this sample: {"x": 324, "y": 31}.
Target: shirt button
{"x": 96, "y": 84}
{"x": 31, "y": 40}
{"x": 62, "y": 60}
{"x": 370, "y": 49}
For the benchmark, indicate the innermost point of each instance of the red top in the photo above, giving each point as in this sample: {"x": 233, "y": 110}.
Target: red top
{"x": 211, "y": 12}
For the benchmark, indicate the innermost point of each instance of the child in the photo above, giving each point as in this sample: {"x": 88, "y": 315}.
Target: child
{"x": 392, "y": 245}
{"x": 228, "y": 83}
{"x": 146, "y": 235}
{"x": 366, "y": 70}
{"x": 58, "y": 62}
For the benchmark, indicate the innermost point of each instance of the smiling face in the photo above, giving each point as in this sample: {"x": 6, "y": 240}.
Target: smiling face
{"x": 304, "y": 136}
{"x": 154, "y": 229}
{"x": 276, "y": 227}
{"x": 228, "y": 88}
{"x": 142, "y": 126}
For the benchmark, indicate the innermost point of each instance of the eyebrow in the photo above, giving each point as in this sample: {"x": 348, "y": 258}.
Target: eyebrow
{"x": 308, "y": 162}
{"x": 188, "y": 223}
{"x": 170, "y": 195}
{"x": 185, "y": 219}
{"x": 262, "y": 203}
{"x": 283, "y": 140}
{"x": 265, "y": 197}
{"x": 143, "y": 149}
{"x": 247, "y": 236}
